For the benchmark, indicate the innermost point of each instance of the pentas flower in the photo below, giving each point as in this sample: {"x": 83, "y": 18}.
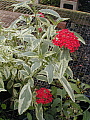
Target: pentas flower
{"x": 43, "y": 96}
{"x": 41, "y": 15}
{"x": 40, "y": 30}
{"x": 67, "y": 39}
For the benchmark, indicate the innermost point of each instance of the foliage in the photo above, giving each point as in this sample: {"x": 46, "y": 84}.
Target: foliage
{"x": 27, "y": 54}
{"x": 51, "y": 2}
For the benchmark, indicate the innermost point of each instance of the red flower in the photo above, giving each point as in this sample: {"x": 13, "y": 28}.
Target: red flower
{"x": 43, "y": 96}
{"x": 67, "y": 39}
{"x": 40, "y": 30}
{"x": 41, "y": 15}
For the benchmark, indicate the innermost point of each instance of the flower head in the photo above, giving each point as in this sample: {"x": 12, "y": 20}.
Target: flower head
{"x": 67, "y": 39}
{"x": 43, "y": 96}
{"x": 40, "y": 30}
{"x": 41, "y": 15}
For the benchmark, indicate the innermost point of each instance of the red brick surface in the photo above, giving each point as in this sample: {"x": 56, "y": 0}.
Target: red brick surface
{"x": 7, "y": 17}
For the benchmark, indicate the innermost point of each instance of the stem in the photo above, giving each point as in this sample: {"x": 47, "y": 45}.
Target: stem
{"x": 61, "y": 107}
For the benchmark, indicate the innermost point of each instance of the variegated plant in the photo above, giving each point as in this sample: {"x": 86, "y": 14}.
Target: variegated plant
{"x": 26, "y": 54}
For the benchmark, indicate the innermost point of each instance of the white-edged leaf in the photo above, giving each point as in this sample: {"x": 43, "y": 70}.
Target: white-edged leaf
{"x": 1, "y": 81}
{"x": 22, "y": 4}
{"x": 31, "y": 81}
{"x": 39, "y": 111}
{"x": 79, "y": 37}
{"x": 63, "y": 67}
{"x": 29, "y": 54}
{"x": 49, "y": 70}
{"x": 49, "y": 11}
{"x": 14, "y": 71}
{"x": 42, "y": 78}
{"x": 6, "y": 72}
{"x": 2, "y": 59}
{"x": 25, "y": 98}
{"x": 2, "y": 89}
{"x": 27, "y": 68}
{"x": 36, "y": 43}
{"x": 35, "y": 65}
{"x": 69, "y": 72}
{"x": 10, "y": 84}
{"x": 82, "y": 97}
{"x": 60, "y": 20}
{"x": 67, "y": 87}
{"x": 49, "y": 53}
{"x": 23, "y": 72}
{"x": 44, "y": 21}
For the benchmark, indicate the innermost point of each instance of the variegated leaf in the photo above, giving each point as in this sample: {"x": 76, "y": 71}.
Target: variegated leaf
{"x": 25, "y": 98}
{"x": 67, "y": 87}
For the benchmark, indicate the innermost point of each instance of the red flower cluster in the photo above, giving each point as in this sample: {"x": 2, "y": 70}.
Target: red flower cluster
{"x": 43, "y": 96}
{"x": 67, "y": 39}
{"x": 41, "y": 15}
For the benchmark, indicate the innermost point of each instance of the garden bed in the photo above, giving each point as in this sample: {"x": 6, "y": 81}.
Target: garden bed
{"x": 79, "y": 22}
{"x": 20, "y": 79}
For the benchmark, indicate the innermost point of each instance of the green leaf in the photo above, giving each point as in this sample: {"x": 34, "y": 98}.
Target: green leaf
{"x": 22, "y": 4}
{"x": 76, "y": 106}
{"x": 49, "y": 70}
{"x": 14, "y": 71}
{"x": 48, "y": 117}
{"x": 31, "y": 81}
{"x": 2, "y": 89}
{"x": 27, "y": 68}
{"x": 10, "y": 84}
{"x": 1, "y": 81}
{"x": 44, "y": 47}
{"x": 86, "y": 115}
{"x": 61, "y": 92}
{"x": 17, "y": 85}
{"x": 86, "y": 86}
{"x": 39, "y": 111}
{"x": 67, "y": 87}
{"x": 82, "y": 97}
{"x": 29, "y": 54}
{"x": 69, "y": 72}
{"x": 42, "y": 78}
{"x": 63, "y": 67}
{"x": 49, "y": 53}
{"x": 3, "y": 106}
{"x": 35, "y": 65}
{"x": 29, "y": 116}
{"x": 23, "y": 72}
{"x": 25, "y": 98}
{"x": 6, "y": 72}
{"x": 60, "y": 20}
{"x": 74, "y": 87}
{"x": 2, "y": 39}
{"x": 36, "y": 43}
{"x": 51, "y": 12}
{"x": 44, "y": 21}
{"x": 79, "y": 37}
{"x": 2, "y": 59}
{"x": 15, "y": 104}
{"x": 56, "y": 102}
{"x": 50, "y": 32}
{"x": 65, "y": 55}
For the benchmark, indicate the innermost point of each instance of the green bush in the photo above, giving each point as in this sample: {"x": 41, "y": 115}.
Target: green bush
{"x": 50, "y": 2}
